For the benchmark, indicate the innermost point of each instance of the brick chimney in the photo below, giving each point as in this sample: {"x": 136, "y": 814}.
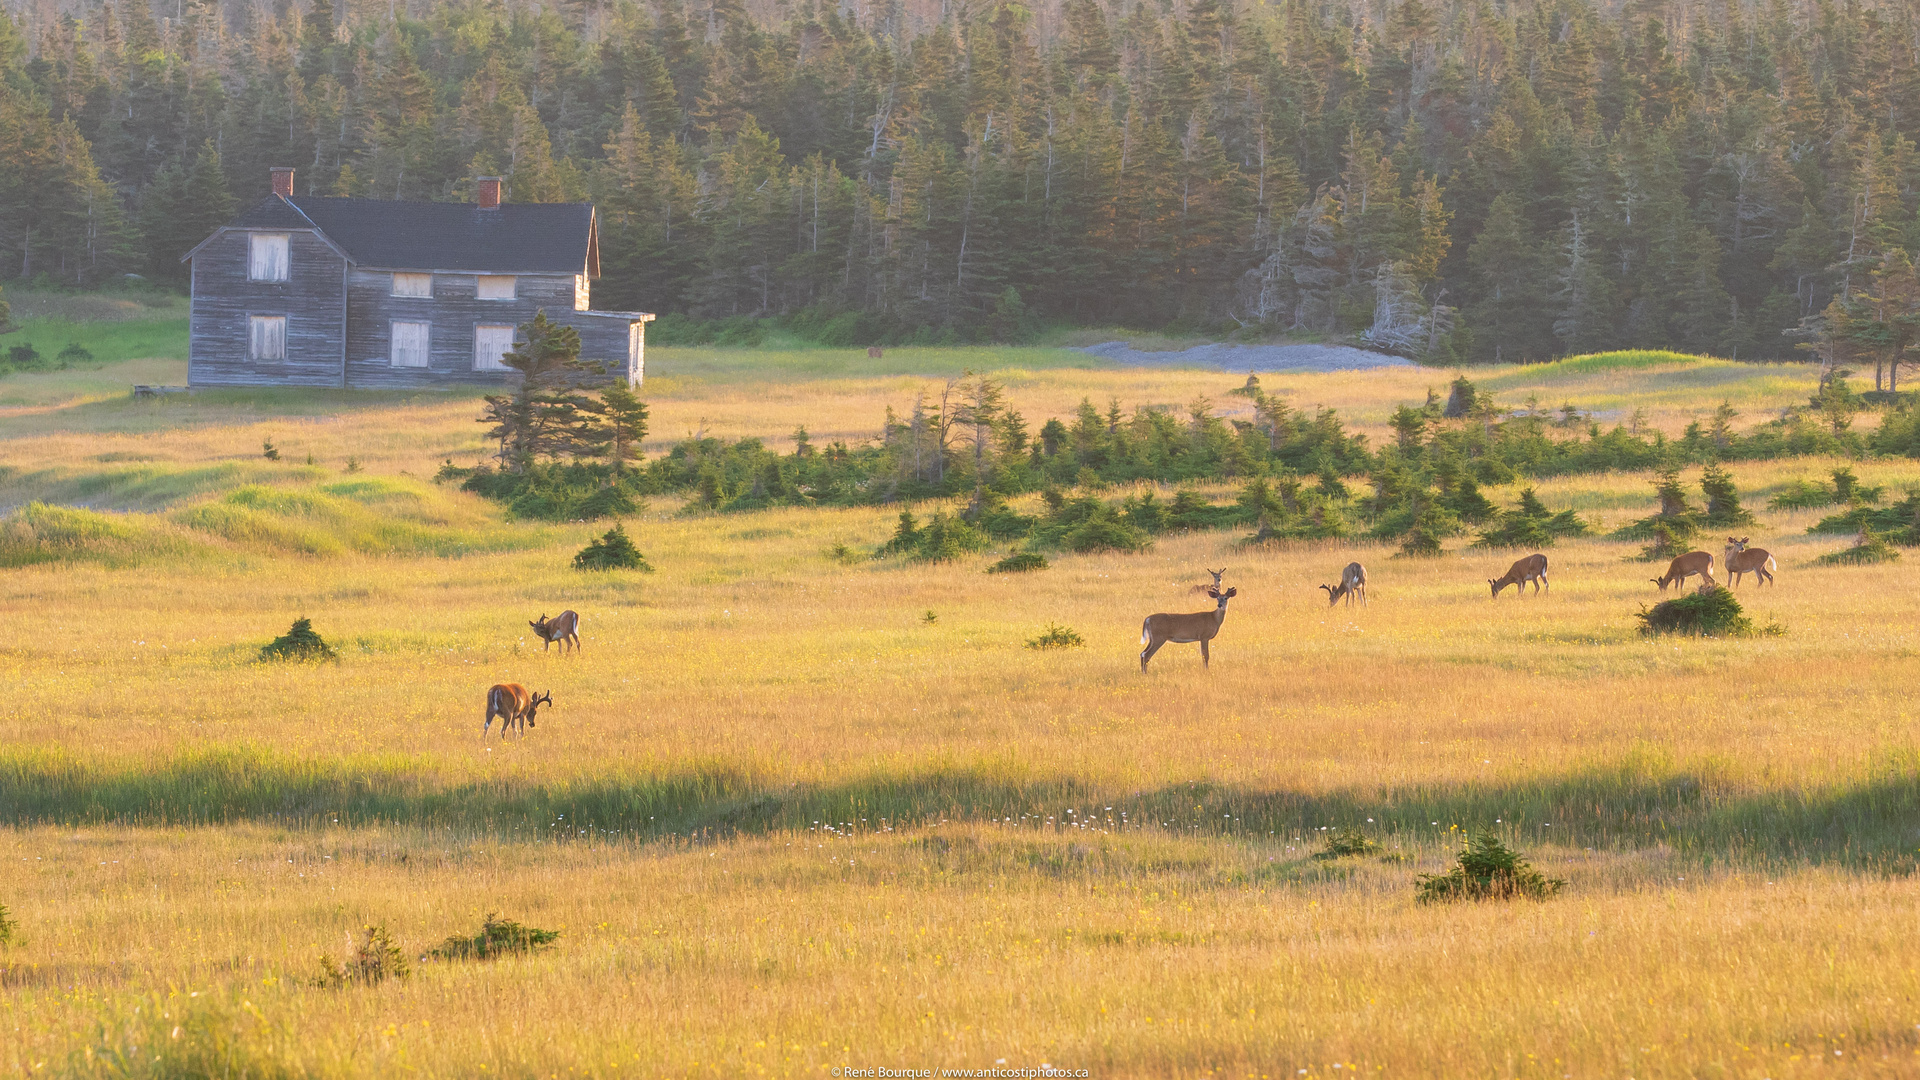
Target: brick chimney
{"x": 489, "y": 192}
{"x": 283, "y": 182}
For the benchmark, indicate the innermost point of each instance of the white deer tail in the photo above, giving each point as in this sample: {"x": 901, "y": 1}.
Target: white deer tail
{"x": 1143, "y": 631}
{"x": 1770, "y": 564}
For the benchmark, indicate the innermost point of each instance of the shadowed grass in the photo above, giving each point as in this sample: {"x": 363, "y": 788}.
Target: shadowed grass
{"x": 1635, "y": 802}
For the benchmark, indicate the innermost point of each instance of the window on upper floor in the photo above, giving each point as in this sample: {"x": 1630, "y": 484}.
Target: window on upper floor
{"x": 495, "y": 287}
{"x": 266, "y": 256}
{"x": 420, "y": 285}
{"x": 410, "y": 341}
{"x": 267, "y": 337}
{"x": 490, "y": 343}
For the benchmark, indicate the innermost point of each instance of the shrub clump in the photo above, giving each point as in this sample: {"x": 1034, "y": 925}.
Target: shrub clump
{"x": 1487, "y": 870}
{"x": 1346, "y": 842}
{"x": 944, "y": 539}
{"x": 1809, "y": 495}
{"x": 1711, "y": 612}
{"x": 375, "y": 961}
{"x": 1057, "y": 637}
{"x": 300, "y": 642}
{"x": 1869, "y": 548}
{"x": 8, "y": 926}
{"x": 1019, "y": 562}
{"x": 613, "y": 551}
{"x": 1531, "y": 525}
{"x": 497, "y": 937}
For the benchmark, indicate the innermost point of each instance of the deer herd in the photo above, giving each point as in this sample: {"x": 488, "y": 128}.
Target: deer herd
{"x": 515, "y": 705}
{"x": 1203, "y": 626}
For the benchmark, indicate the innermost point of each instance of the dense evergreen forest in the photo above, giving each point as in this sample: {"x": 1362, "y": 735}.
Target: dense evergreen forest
{"x": 1459, "y": 180}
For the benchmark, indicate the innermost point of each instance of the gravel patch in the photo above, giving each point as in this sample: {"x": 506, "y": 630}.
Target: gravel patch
{"x": 1252, "y": 358}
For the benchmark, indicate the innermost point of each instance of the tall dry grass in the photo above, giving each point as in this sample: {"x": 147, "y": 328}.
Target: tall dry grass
{"x": 787, "y": 824}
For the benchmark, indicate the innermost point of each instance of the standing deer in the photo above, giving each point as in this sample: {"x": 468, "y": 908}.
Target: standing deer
{"x": 1742, "y": 559}
{"x": 1201, "y": 626}
{"x": 1532, "y": 568}
{"x": 1684, "y": 567}
{"x": 1210, "y": 589}
{"x": 563, "y": 628}
{"x": 1353, "y": 582}
{"x": 511, "y": 702}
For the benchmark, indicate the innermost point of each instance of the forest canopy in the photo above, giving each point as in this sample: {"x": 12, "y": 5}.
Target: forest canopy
{"x": 1456, "y": 181}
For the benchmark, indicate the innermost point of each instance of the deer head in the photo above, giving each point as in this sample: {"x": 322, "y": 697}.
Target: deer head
{"x": 538, "y": 700}
{"x": 1223, "y": 597}
{"x": 539, "y": 623}
{"x": 1216, "y": 576}
{"x": 1334, "y": 593}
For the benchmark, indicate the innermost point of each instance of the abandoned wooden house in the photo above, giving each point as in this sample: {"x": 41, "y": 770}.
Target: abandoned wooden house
{"x": 301, "y": 291}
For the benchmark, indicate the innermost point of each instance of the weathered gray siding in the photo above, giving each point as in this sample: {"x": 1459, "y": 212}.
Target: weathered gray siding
{"x": 219, "y": 336}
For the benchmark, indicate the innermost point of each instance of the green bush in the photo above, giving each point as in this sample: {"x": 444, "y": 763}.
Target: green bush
{"x": 1057, "y": 637}
{"x": 497, "y": 937}
{"x": 1020, "y": 562}
{"x": 1103, "y": 530}
{"x": 1711, "y": 612}
{"x": 1869, "y": 548}
{"x": 1342, "y": 843}
{"x": 375, "y": 961}
{"x": 613, "y": 551}
{"x": 8, "y": 926}
{"x": 301, "y": 642}
{"x": 1487, "y": 870}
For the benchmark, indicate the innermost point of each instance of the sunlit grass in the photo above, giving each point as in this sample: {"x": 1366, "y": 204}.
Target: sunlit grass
{"x": 786, "y": 823}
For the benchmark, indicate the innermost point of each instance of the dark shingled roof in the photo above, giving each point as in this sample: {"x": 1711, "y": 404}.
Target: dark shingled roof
{"x": 524, "y": 238}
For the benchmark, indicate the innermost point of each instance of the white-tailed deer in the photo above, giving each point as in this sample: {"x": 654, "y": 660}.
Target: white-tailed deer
{"x": 1210, "y": 589}
{"x": 563, "y": 628}
{"x": 1684, "y": 567}
{"x": 1742, "y": 559}
{"x": 511, "y": 702}
{"x": 1353, "y": 582}
{"x": 1200, "y": 626}
{"x": 1532, "y": 568}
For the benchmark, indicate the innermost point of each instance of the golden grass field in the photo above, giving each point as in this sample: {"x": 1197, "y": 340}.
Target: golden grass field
{"x": 786, "y": 824}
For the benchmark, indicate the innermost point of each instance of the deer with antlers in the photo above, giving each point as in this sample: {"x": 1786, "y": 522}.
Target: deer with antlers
{"x": 1532, "y": 568}
{"x": 563, "y": 628}
{"x": 1742, "y": 559}
{"x": 1210, "y": 588}
{"x": 1200, "y": 626}
{"x": 1353, "y": 582}
{"x": 1684, "y": 567}
{"x": 512, "y": 703}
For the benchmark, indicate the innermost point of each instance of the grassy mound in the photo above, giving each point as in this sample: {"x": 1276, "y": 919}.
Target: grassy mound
{"x": 1711, "y": 612}
{"x": 497, "y": 937}
{"x": 1343, "y": 843}
{"x": 301, "y": 642}
{"x": 1487, "y": 870}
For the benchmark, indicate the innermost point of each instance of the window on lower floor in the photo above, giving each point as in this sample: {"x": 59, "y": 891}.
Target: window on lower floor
{"x": 490, "y": 344}
{"x": 267, "y": 337}
{"x": 410, "y": 341}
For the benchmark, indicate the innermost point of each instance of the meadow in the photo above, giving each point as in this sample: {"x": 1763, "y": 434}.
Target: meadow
{"x": 795, "y": 812}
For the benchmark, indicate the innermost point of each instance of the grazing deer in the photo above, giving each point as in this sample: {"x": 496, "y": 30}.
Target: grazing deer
{"x": 1684, "y": 567}
{"x": 875, "y": 352}
{"x": 511, "y": 702}
{"x": 1742, "y": 559}
{"x": 563, "y": 628}
{"x": 1200, "y": 626}
{"x": 1353, "y": 582}
{"x": 1210, "y": 589}
{"x": 1532, "y": 568}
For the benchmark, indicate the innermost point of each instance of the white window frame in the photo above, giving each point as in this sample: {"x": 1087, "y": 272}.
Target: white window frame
{"x": 413, "y": 286}
{"x": 267, "y": 335}
{"x": 411, "y": 358}
{"x": 485, "y": 283}
{"x": 483, "y": 360}
{"x": 268, "y": 256}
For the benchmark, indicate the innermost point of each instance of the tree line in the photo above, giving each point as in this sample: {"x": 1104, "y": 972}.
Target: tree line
{"x": 1444, "y": 179}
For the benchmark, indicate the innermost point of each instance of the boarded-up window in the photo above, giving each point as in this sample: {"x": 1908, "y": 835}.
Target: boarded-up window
{"x": 410, "y": 343}
{"x": 580, "y": 302}
{"x": 413, "y": 285}
{"x": 267, "y": 256}
{"x": 490, "y": 343}
{"x": 495, "y": 287}
{"x": 268, "y": 337}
